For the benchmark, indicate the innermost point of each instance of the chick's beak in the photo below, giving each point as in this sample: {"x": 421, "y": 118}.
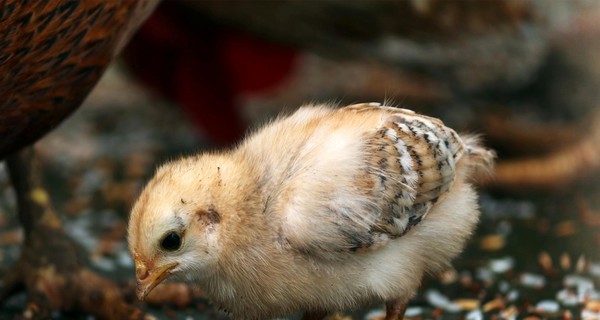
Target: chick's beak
{"x": 148, "y": 279}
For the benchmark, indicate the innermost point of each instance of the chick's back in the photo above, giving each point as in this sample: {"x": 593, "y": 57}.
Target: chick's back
{"x": 352, "y": 179}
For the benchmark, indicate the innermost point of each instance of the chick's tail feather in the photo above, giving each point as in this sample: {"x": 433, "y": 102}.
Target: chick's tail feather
{"x": 477, "y": 159}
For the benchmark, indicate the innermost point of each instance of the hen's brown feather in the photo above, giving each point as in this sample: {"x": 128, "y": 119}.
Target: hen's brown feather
{"x": 52, "y": 54}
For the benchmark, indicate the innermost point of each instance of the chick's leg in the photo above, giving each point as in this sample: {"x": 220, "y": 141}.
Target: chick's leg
{"x": 51, "y": 268}
{"x": 394, "y": 310}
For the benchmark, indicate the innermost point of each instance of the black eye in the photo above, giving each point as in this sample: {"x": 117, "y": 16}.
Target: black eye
{"x": 171, "y": 242}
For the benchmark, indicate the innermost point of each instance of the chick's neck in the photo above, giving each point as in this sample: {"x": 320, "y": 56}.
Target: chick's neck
{"x": 239, "y": 197}
{"x": 245, "y": 240}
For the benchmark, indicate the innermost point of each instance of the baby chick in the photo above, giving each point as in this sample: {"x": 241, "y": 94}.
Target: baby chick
{"x": 324, "y": 210}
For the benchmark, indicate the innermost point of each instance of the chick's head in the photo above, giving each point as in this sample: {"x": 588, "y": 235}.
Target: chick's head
{"x": 173, "y": 228}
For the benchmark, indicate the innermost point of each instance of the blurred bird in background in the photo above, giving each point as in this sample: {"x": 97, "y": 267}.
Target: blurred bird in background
{"x": 519, "y": 72}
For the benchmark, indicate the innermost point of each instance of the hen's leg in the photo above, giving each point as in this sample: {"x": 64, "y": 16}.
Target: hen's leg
{"x": 51, "y": 268}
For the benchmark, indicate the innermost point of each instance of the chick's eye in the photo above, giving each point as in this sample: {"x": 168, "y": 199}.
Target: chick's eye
{"x": 171, "y": 242}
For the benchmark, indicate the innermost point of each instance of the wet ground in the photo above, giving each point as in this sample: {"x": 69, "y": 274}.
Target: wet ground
{"x": 535, "y": 255}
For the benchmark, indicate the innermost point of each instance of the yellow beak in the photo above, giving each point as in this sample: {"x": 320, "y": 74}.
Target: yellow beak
{"x": 147, "y": 280}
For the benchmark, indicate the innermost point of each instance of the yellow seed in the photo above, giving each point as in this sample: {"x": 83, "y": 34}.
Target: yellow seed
{"x": 467, "y": 304}
{"x": 40, "y": 196}
{"x": 565, "y": 261}
{"x": 509, "y": 312}
{"x": 492, "y": 242}
{"x": 545, "y": 261}
{"x": 593, "y": 305}
{"x": 497, "y": 303}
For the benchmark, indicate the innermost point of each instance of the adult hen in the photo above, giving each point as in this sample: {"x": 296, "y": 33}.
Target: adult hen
{"x": 324, "y": 210}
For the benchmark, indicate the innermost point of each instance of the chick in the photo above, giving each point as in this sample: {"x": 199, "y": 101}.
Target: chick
{"x": 323, "y": 210}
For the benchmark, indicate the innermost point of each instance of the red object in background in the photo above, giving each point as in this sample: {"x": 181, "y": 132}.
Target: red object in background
{"x": 203, "y": 67}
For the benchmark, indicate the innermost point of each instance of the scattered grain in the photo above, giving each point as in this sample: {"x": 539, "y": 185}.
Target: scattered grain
{"x": 492, "y": 242}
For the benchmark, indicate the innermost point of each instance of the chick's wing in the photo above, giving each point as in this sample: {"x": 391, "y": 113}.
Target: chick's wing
{"x": 362, "y": 176}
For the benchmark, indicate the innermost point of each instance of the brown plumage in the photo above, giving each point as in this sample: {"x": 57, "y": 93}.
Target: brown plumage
{"x": 52, "y": 53}
{"x": 323, "y": 210}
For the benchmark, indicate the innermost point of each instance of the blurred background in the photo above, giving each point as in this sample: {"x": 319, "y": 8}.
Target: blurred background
{"x": 199, "y": 74}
